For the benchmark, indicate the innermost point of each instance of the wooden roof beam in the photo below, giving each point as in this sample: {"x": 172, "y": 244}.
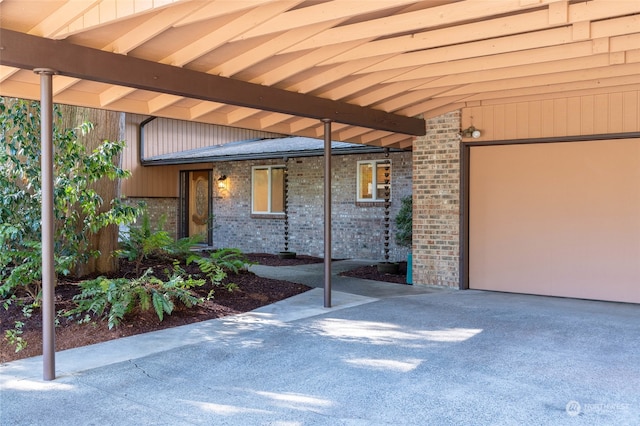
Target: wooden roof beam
{"x": 529, "y": 70}
{"x": 161, "y": 102}
{"x": 29, "y": 52}
{"x": 113, "y": 94}
{"x": 331, "y": 74}
{"x": 217, "y": 8}
{"x": 438, "y": 16}
{"x": 546, "y": 80}
{"x": 431, "y": 39}
{"x": 104, "y": 12}
{"x": 153, "y": 26}
{"x": 6, "y": 72}
{"x": 320, "y": 13}
{"x": 62, "y": 83}
{"x": 224, "y": 33}
{"x": 64, "y": 14}
{"x": 304, "y": 61}
{"x": 203, "y": 108}
{"x": 561, "y": 52}
{"x": 260, "y": 51}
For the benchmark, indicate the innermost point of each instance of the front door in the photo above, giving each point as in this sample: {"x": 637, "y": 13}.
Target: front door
{"x": 195, "y": 204}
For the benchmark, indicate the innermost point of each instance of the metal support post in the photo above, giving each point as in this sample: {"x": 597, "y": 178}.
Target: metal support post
{"x": 327, "y": 213}
{"x": 48, "y": 268}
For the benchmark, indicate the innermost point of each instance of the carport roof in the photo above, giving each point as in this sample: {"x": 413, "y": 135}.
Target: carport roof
{"x": 290, "y": 147}
{"x": 282, "y": 65}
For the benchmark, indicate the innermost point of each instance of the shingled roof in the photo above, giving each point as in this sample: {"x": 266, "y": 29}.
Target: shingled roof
{"x": 295, "y": 146}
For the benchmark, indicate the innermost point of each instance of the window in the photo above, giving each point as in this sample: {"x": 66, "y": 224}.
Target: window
{"x": 372, "y": 180}
{"x": 267, "y": 190}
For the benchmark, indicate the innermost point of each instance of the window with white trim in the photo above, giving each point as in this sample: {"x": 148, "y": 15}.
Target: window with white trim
{"x": 374, "y": 178}
{"x": 267, "y": 190}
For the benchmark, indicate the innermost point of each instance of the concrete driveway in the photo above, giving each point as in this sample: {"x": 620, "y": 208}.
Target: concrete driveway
{"x": 444, "y": 357}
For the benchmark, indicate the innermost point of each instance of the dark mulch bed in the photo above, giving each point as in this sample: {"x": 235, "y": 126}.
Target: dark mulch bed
{"x": 371, "y": 272}
{"x": 273, "y": 260}
{"x": 252, "y": 292}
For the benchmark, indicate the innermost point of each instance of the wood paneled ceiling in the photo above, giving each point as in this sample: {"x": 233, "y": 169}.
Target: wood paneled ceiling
{"x": 404, "y": 57}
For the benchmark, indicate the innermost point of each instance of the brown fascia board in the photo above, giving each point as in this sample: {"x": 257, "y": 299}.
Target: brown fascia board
{"x": 26, "y": 51}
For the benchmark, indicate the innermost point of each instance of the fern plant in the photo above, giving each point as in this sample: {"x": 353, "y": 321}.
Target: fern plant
{"x": 144, "y": 241}
{"x": 230, "y": 259}
{"x": 112, "y": 299}
{"x": 182, "y": 247}
{"x": 219, "y": 262}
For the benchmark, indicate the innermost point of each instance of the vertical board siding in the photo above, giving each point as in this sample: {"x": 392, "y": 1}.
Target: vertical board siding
{"x": 164, "y": 136}
{"x": 573, "y": 116}
{"x": 630, "y": 111}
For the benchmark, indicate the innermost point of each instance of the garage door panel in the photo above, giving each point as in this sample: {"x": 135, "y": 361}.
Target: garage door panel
{"x": 559, "y": 219}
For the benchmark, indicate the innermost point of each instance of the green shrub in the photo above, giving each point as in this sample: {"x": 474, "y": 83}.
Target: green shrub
{"x": 13, "y": 336}
{"x": 404, "y": 223}
{"x": 112, "y": 299}
{"x": 78, "y": 208}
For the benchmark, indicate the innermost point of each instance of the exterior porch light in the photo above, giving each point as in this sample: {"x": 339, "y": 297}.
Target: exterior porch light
{"x": 470, "y": 132}
{"x": 222, "y": 182}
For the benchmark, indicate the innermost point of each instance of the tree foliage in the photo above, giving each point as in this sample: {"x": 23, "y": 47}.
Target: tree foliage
{"x": 78, "y": 208}
{"x": 404, "y": 223}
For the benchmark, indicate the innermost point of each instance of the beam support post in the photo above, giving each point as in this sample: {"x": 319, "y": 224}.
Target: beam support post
{"x": 327, "y": 212}
{"x": 48, "y": 268}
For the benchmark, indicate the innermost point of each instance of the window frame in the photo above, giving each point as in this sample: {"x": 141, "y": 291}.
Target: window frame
{"x": 374, "y": 182}
{"x": 269, "y": 168}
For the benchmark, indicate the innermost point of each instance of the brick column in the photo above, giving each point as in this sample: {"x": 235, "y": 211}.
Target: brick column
{"x": 436, "y": 202}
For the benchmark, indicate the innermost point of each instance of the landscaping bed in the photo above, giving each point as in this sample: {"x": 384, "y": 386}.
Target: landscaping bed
{"x": 252, "y": 292}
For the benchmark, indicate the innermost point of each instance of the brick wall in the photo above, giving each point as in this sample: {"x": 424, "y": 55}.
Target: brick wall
{"x": 156, "y": 208}
{"x": 357, "y": 231}
{"x": 436, "y": 202}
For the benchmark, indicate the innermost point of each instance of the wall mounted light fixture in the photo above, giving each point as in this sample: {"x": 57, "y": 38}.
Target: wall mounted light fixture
{"x": 222, "y": 182}
{"x": 470, "y": 132}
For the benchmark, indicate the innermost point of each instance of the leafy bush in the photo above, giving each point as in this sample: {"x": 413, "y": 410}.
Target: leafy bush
{"x": 78, "y": 208}
{"x": 114, "y": 298}
{"x": 144, "y": 240}
{"x": 13, "y": 336}
{"x": 219, "y": 262}
{"x": 404, "y": 222}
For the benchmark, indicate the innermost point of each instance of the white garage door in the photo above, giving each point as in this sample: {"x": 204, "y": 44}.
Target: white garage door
{"x": 559, "y": 219}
